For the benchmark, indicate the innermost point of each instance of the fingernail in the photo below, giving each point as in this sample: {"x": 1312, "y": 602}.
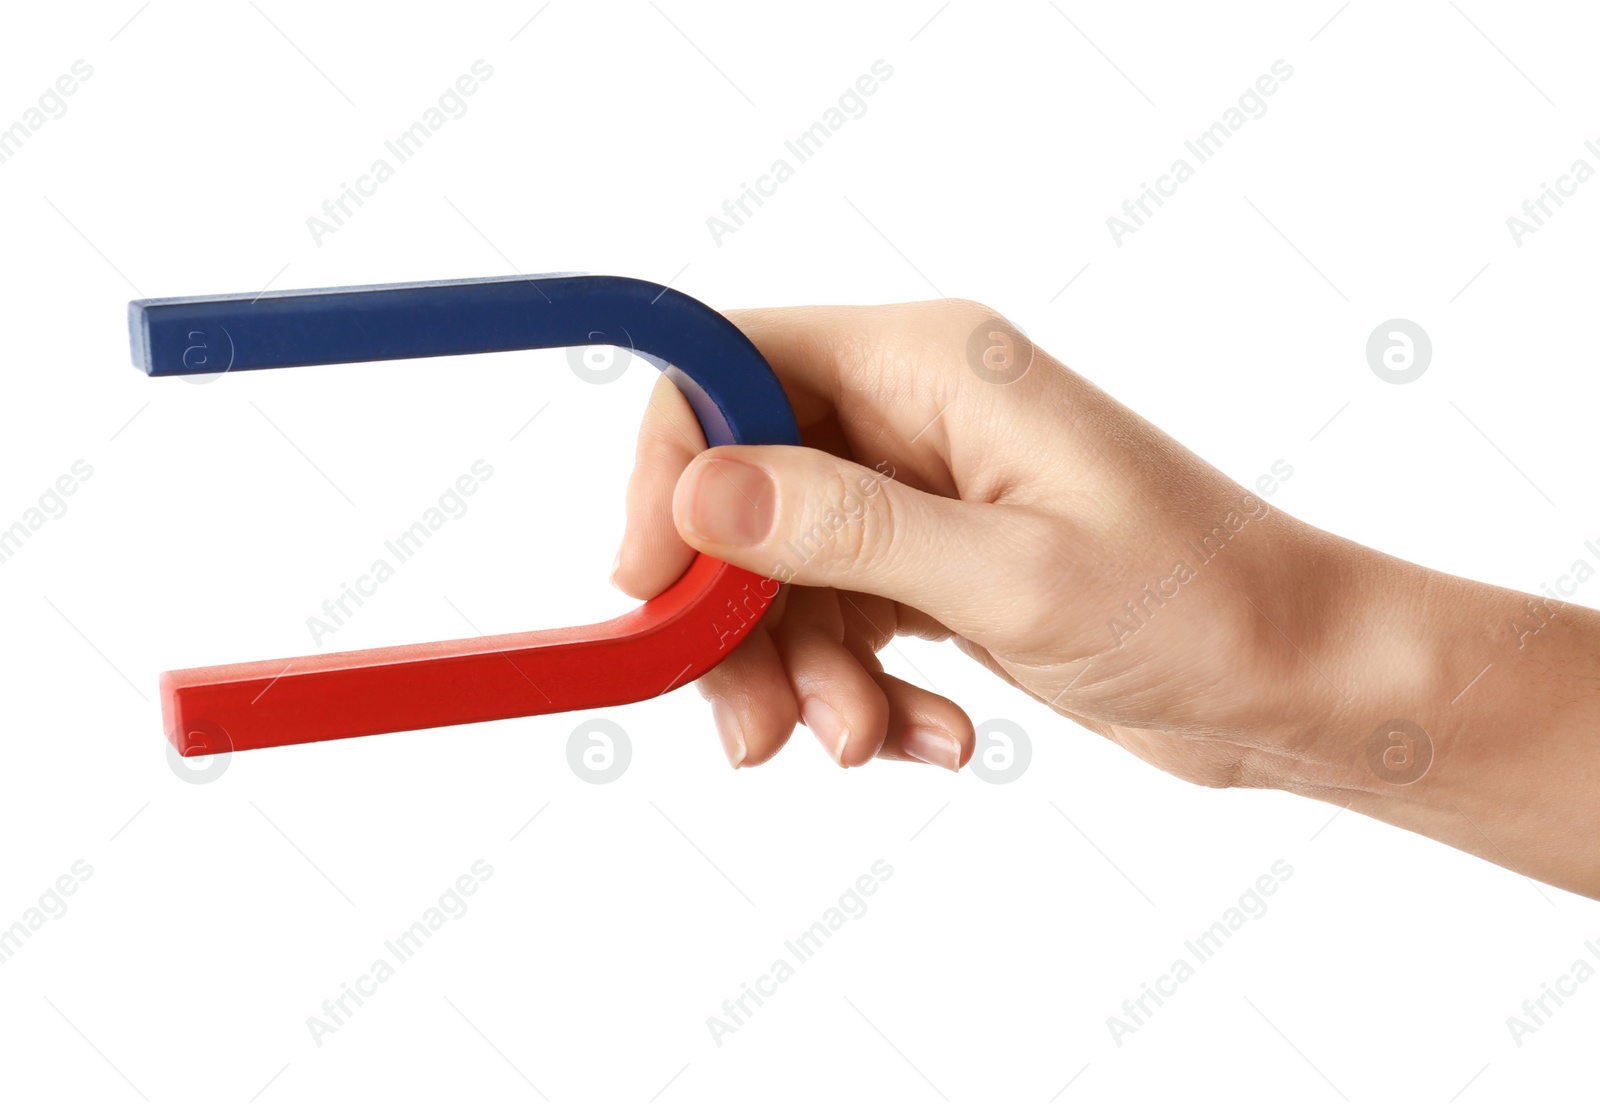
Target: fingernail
{"x": 730, "y": 502}
{"x": 729, "y": 729}
{"x": 615, "y": 565}
{"x": 933, "y": 746}
{"x": 825, "y": 722}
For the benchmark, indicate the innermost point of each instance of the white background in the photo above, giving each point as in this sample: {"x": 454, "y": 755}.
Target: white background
{"x": 1019, "y": 917}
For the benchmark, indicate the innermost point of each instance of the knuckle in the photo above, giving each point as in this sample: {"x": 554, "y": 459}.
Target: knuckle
{"x": 995, "y": 348}
{"x": 854, "y": 523}
{"x": 850, "y": 546}
{"x": 969, "y": 310}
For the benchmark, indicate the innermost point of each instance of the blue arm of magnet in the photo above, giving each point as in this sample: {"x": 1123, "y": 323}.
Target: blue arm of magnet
{"x": 730, "y": 386}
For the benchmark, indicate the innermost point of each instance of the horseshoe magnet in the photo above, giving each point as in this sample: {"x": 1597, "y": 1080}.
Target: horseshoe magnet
{"x": 672, "y": 639}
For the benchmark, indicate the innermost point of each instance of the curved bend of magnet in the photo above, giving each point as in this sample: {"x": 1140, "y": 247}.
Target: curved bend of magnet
{"x": 671, "y": 640}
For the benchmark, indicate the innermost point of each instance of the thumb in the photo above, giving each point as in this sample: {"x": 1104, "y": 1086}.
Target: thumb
{"x": 807, "y": 517}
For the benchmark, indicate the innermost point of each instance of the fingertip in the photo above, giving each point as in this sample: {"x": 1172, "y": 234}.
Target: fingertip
{"x": 730, "y": 729}
{"x": 751, "y": 702}
{"x": 925, "y": 727}
{"x": 841, "y": 705}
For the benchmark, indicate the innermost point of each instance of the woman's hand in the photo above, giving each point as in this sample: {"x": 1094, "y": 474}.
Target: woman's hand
{"x": 959, "y": 483}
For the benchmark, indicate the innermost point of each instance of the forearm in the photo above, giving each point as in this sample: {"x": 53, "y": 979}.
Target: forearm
{"x": 1506, "y": 687}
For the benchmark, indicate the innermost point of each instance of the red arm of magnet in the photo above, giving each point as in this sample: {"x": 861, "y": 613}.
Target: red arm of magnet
{"x": 671, "y": 640}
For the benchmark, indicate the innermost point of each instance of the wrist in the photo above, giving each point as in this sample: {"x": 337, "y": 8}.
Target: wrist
{"x": 1463, "y": 711}
{"x": 1374, "y": 651}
